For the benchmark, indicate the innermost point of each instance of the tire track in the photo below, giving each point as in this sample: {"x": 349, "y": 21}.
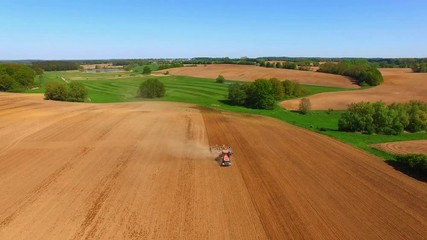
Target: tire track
{"x": 42, "y": 187}
{"x": 104, "y": 188}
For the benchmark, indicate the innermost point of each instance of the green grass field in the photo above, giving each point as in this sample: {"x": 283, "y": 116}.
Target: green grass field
{"x": 123, "y": 86}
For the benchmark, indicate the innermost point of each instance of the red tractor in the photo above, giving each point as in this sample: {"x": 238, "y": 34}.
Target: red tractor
{"x": 224, "y": 157}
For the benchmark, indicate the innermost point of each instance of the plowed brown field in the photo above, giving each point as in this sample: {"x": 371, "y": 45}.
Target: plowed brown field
{"x": 404, "y": 147}
{"x": 251, "y": 73}
{"x": 400, "y": 85}
{"x": 144, "y": 171}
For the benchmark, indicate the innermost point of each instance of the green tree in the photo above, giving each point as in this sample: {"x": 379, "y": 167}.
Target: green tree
{"x": 56, "y": 91}
{"x": 129, "y": 67}
{"x": 414, "y": 162}
{"x": 237, "y": 93}
{"x": 260, "y": 95}
{"x": 420, "y": 68}
{"x": 16, "y": 77}
{"x": 76, "y": 92}
{"x": 293, "y": 89}
{"x": 361, "y": 70}
{"x": 278, "y": 89}
{"x": 39, "y": 71}
{"x": 417, "y": 112}
{"x": 289, "y": 65}
{"x": 381, "y": 120}
{"x": 289, "y": 88}
{"x": 146, "y": 70}
{"x": 304, "y": 106}
{"x": 220, "y": 79}
{"x": 358, "y": 118}
{"x": 6, "y": 82}
{"x": 151, "y": 88}
{"x": 399, "y": 114}
{"x": 56, "y": 65}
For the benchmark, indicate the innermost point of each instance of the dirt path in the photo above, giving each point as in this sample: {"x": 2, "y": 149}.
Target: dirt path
{"x": 251, "y": 73}
{"x": 404, "y": 147}
{"x": 400, "y": 85}
{"x": 65, "y": 80}
{"x": 144, "y": 171}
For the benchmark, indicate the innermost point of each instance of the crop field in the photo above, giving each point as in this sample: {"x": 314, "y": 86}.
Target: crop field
{"x": 143, "y": 170}
{"x": 250, "y": 73}
{"x": 400, "y": 85}
{"x": 404, "y": 147}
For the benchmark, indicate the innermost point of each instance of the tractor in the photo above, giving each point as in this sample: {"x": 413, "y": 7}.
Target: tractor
{"x": 224, "y": 157}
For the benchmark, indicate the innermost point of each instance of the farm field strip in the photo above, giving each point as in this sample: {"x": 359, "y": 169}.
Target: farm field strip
{"x": 404, "y": 147}
{"x": 400, "y": 85}
{"x": 250, "y": 73}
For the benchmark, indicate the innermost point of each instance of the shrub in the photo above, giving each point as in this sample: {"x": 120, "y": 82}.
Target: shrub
{"x": 146, "y": 70}
{"x": 304, "y": 106}
{"x": 289, "y": 65}
{"x": 76, "y": 92}
{"x": 237, "y": 93}
{"x": 304, "y": 68}
{"x": 151, "y": 88}
{"x": 220, "y": 79}
{"x": 416, "y": 163}
{"x": 56, "y": 91}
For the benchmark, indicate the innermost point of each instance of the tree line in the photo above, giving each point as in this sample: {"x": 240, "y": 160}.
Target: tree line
{"x": 420, "y": 68}
{"x": 414, "y": 163}
{"x": 364, "y": 73}
{"x": 56, "y": 65}
{"x": 385, "y": 119}
{"x": 302, "y": 63}
{"x": 16, "y": 77}
{"x": 170, "y": 65}
{"x": 263, "y": 93}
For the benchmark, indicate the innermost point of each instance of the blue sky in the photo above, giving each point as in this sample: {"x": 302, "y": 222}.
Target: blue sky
{"x": 163, "y": 29}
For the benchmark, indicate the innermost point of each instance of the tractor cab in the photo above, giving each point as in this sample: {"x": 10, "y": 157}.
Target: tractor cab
{"x": 226, "y": 158}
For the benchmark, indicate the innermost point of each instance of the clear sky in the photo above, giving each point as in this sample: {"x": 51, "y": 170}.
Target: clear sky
{"x": 107, "y": 29}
